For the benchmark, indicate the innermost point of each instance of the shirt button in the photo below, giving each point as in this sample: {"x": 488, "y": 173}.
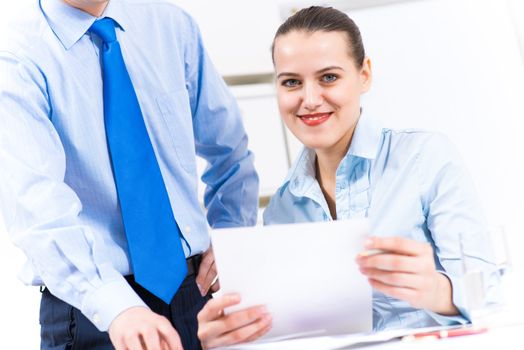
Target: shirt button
{"x": 188, "y": 229}
{"x": 96, "y": 319}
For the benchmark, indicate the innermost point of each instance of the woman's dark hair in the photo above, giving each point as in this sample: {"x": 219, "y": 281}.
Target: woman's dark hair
{"x": 327, "y": 19}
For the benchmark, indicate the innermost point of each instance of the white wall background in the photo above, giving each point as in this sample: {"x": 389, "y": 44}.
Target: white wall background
{"x": 456, "y": 66}
{"x": 451, "y": 65}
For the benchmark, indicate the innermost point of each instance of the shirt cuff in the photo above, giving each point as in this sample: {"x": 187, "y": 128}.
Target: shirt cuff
{"x": 103, "y": 305}
{"x": 228, "y": 224}
{"x": 457, "y": 295}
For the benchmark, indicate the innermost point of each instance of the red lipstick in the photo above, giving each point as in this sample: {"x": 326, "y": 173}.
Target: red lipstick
{"x": 315, "y": 118}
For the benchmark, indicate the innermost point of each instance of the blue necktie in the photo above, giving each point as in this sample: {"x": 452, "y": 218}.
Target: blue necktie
{"x": 152, "y": 232}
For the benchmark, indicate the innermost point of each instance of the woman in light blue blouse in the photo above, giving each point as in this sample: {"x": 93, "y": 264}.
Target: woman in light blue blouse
{"x": 411, "y": 184}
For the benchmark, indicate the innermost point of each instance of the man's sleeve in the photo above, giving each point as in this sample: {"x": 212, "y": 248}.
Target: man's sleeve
{"x": 231, "y": 195}
{"x": 41, "y": 211}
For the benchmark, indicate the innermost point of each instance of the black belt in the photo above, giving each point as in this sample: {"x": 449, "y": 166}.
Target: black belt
{"x": 193, "y": 264}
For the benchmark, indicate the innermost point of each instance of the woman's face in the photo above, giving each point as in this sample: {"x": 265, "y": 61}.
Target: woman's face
{"x": 319, "y": 87}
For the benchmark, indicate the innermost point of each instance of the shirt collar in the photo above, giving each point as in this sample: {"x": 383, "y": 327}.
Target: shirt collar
{"x": 364, "y": 144}
{"x": 301, "y": 178}
{"x": 366, "y": 138}
{"x": 69, "y": 24}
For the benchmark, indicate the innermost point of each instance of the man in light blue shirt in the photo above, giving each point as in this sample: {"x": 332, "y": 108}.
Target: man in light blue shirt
{"x": 58, "y": 195}
{"x": 410, "y": 184}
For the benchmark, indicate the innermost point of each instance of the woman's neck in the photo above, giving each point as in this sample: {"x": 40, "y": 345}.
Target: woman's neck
{"x": 326, "y": 164}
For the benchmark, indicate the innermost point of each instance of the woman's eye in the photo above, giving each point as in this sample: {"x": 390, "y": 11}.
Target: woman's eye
{"x": 290, "y": 83}
{"x": 329, "y": 78}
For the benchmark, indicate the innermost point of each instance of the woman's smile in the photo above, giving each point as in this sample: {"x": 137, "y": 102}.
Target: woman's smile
{"x": 314, "y": 119}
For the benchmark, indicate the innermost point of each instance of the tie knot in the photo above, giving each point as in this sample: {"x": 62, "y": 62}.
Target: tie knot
{"x": 105, "y": 29}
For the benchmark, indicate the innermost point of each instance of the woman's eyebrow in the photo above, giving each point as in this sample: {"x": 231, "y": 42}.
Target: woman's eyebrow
{"x": 289, "y": 74}
{"x": 329, "y": 68}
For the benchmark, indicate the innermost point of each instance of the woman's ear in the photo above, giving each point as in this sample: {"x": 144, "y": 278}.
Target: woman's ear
{"x": 366, "y": 76}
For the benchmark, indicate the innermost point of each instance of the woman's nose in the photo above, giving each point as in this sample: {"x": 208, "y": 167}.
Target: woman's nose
{"x": 312, "y": 97}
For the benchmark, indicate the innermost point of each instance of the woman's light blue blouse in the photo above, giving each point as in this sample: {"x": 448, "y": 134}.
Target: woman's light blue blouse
{"x": 409, "y": 183}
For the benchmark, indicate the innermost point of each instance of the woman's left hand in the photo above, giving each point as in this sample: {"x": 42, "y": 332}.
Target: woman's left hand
{"x": 405, "y": 269}
{"x": 216, "y": 329}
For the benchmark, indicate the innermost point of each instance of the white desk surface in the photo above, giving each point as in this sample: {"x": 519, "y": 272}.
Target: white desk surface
{"x": 506, "y": 333}
{"x": 505, "y": 338}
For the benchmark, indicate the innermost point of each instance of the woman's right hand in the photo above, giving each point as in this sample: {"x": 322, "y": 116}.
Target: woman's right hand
{"x": 217, "y": 329}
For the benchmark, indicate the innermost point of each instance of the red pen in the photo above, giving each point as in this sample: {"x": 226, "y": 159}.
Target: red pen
{"x": 445, "y": 333}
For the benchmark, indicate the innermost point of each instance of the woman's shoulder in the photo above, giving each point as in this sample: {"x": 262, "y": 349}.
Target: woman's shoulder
{"x": 416, "y": 135}
{"x": 418, "y": 142}
{"x": 424, "y": 154}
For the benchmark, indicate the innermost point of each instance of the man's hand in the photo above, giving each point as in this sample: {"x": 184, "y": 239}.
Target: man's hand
{"x": 405, "y": 269}
{"x": 207, "y": 273}
{"x": 216, "y": 329}
{"x": 140, "y": 328}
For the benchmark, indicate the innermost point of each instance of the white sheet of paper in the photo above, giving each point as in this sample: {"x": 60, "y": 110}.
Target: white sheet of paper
{"x": 336, "y": 342}
{"x": 305, "y": 274}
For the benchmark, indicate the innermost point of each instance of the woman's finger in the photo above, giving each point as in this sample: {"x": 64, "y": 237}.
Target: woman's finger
{"x": 243, "y": 334}
{"x": 399, "y": 245}
{"x": 258, "y": 334}
{"x": 215, "y": 307}
{"x": 395, "y": 279}
{"x": 231, "y": 322}
{"x": 391, "y": 262}
{"x": 407, "y": 294}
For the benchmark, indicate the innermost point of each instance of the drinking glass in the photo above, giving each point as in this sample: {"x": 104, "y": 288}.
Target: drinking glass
{"x": 481, "y": 306}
